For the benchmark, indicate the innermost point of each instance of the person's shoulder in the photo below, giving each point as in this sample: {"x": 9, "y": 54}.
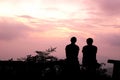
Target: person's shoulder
{"x": 94, "y": 46}
{"x": 68, "y": 45}
{"x": 77, "y": 46}
{"x": 85, "y": 46}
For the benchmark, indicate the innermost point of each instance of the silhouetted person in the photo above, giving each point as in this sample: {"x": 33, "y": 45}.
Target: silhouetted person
{"x": 72, "y": 51}
{"x": 89, "y": 57}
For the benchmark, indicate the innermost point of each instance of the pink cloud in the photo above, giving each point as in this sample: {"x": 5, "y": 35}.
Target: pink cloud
{"x": 110, "y": 7}
{"x": 11, "y": 29}
{"x": 26, "y": 16}
{"x": 111, "y": 39}
{"x": 104, "y": 8}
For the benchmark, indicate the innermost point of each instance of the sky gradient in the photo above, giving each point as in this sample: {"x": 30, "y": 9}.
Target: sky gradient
{"x": 30, "y": 25}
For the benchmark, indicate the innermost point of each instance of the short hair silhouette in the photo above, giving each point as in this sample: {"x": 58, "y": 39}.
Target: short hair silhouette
{"x": 72, "y": 50}
{"x": 72, "y": 63}
{"x": 89, "y": 60}
{"x": 73, "y": 40}
{"x": 89, "y": 41}
{"x": 89, "y": 52}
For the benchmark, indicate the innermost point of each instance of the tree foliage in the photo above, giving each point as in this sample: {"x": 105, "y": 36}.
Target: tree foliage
{"x": 41, "y": 56}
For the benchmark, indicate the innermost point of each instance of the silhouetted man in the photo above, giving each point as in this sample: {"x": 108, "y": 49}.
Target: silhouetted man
{"x": 89, "y": 56}
{"x": 72, "y": 51}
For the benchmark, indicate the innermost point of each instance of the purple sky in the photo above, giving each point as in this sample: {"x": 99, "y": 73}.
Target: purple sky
{"x": 30, "y": 25}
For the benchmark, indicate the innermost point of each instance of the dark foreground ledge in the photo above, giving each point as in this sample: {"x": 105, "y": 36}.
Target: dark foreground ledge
{"x": 114, "y": 61}
{"x": 116, "y": 69}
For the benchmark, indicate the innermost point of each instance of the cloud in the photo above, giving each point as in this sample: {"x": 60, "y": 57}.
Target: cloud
{"x": 109, "y": 7}
{"x": 26, "y": 16}
{"x": 102, "y": 12}
{"x": 114, "y": 39}
{"x": 109, "y": 38}
{"x": 11, "y": 29}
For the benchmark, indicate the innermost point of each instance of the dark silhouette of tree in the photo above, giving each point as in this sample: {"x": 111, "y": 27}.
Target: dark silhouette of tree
{"x": 41, "y": 56}
{"x": 42, "y": 64}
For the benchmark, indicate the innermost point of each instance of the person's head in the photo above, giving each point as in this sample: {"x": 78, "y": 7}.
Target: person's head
{"x": 73, "y": 40}
{"x": 89, "y": 41}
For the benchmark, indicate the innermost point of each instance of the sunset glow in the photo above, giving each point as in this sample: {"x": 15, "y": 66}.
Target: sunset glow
{"x": 29, "y": 25}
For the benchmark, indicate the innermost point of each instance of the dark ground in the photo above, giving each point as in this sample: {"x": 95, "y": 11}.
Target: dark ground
{"x": 18, "y": 70}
